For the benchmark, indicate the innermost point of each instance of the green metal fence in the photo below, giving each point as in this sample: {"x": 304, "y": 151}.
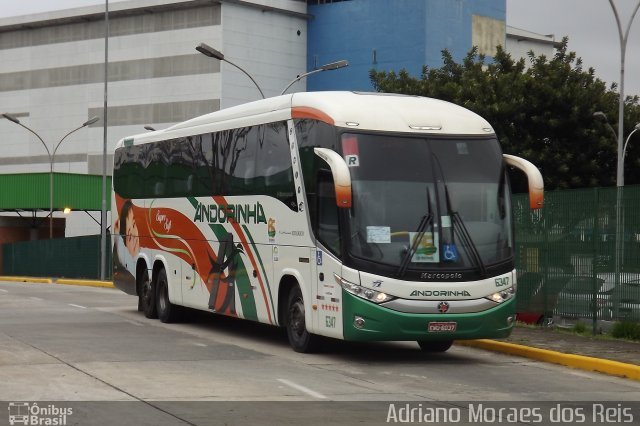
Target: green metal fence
{"x": 568, "y": 254}
{"x": 76, "y": 257}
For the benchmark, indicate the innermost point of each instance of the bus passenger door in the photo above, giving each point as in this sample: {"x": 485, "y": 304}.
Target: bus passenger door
{"x": 328, "y": 293}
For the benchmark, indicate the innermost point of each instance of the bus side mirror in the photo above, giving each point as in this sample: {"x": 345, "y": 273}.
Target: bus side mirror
{"x": 536, "y": 184}
{"x": 341, "y": 175}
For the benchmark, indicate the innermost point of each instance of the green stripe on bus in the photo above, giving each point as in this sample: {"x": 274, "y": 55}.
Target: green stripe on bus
{"x": 245, "y": 292}
{"x": 248, "y": 303}
{"x": 264, "y": 274}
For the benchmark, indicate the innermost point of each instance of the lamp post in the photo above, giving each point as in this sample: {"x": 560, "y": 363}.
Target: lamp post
{"x": 619, "y": 249}
{"x": 105, "y": 125}
{"x": 603, "y": 116}
{"x": 327, "y": 67}
{"x": 51, "y": 158}
{"x": 209, "y": 51}
{"x": 623, "y": 48}
{"x": 620, "y": 163}
{"x": 624, "y": 149}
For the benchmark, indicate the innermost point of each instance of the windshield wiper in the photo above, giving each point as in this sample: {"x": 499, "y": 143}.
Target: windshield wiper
{"x": 426, "y": 220}
{"x": 458, "y": 225}
{"x": 461, "y": 230}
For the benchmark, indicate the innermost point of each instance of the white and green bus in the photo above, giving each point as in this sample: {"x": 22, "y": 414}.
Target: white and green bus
{"x": 356, "y": 216}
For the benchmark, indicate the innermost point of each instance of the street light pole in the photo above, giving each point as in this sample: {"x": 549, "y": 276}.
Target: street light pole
{"x": 209, "y": 51}
{"x": 624, "y": 149}
{"x": 327, "y": 67}
{"x": 623, "y": 48}
{"x": 620, "y": 162}
{"x": 603, "y": 116}
{"x": 51, "y": 158}
{"x": 103, "y": 208}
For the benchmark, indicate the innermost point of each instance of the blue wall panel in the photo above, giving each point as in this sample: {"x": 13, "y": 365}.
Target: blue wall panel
{"x": 403, "y": 34}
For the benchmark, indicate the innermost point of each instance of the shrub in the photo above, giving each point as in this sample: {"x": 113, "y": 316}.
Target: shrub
{"x": 626, "y": 330}
{"x": 580, "y": 328}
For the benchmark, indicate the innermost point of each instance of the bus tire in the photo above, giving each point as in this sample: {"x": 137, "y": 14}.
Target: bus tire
{"x": 299, "y": 338}
{"x": 435, "y": 345}
{"x": 147, "y": 296}
{"x": 167, "y": 311}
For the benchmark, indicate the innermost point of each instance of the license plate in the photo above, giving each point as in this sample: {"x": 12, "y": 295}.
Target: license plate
{"x": 442, "y": 327}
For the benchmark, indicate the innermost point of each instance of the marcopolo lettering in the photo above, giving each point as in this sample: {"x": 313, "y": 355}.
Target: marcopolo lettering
{"x": 440, "y": 293}
{"x": 238, "y": 213}
{"x": 441, "y": 276}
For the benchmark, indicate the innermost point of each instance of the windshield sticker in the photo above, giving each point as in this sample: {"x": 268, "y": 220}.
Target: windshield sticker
{"x": 379, "y": 234}
{"x": 427, "y": 251}
{"x": 463, "y": 149}
{"x": 271, "y": 230}
{"x": 445, "y": 221}
{"x": 352, "y": 160}
{"x": 449, "y": 252}
{"x": 351, "y": 151}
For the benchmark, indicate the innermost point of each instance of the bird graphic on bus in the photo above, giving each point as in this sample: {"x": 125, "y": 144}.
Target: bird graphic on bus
{"x": 223, "y": 284}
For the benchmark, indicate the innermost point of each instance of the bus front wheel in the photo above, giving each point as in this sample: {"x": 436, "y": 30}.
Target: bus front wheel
{"x": 435, "y": 346}
{"x": 299, "y": 338}
{"x": 147, "y": 296}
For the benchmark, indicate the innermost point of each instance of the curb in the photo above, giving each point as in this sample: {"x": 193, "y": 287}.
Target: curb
{"x": 28, "y": 280}
{"x": 86, "y": 283}
{"x": 614, "y": 368}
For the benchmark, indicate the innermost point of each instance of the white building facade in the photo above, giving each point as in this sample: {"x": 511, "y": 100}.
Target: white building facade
{"x": 52, "y": 74}
{"x": 520, "y": 42}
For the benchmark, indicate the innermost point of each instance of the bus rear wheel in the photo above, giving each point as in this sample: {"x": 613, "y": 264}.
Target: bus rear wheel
{"x": 299, "y": 338}
{"x": 167, "y": 311}
{"x": 147, "y": 296}
{"x": 435, "y": 345}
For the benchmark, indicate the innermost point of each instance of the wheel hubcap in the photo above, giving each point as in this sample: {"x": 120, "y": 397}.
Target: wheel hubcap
{"x": 146, "y": 292}
{"x": 163, "y": 303}
{"x": 296, "y": 318}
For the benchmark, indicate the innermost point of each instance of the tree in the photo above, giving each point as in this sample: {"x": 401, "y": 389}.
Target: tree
{"x": 543, "y": 112}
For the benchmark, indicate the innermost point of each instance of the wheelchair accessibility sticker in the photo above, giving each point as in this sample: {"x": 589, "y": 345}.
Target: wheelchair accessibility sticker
{"x": 449, "y": 252}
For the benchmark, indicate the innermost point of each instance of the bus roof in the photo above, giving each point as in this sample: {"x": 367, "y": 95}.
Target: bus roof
{"x": 353, "y": 110}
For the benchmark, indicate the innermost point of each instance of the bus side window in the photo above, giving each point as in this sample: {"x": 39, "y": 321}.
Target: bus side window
{"x": 327, "y": 229}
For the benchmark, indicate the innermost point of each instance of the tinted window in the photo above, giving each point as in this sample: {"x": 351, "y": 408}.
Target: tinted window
{"x": 328, "y": 230}
{"x": 312, "y": 134}
{"x": 274, "y": 174}
{"x": 245, "y": 161}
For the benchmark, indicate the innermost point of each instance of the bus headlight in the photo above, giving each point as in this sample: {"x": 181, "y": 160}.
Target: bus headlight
{"x": 362, "y": 292}
{"x": 502, "y": 295}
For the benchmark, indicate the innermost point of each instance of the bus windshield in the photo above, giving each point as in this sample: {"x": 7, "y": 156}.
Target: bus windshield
{"x": 428, "y": 203}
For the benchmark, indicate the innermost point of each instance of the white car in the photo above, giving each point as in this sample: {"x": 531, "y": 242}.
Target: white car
{"x": 584, "y": 297}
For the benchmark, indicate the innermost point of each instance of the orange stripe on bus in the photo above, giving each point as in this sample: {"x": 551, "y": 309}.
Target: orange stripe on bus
{"x": 221, "y": 201}
{"x": 308, "y": 112}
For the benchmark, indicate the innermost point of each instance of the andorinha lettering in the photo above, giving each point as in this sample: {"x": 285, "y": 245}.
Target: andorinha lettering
{"x": 430, "y": 293}
{"x": 239, "y": 213}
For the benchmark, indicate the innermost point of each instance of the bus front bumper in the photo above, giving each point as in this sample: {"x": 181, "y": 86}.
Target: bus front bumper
{"x": 378, "y": 323}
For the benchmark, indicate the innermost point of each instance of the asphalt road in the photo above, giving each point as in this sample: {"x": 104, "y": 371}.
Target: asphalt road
{"x": 90, "y": 349}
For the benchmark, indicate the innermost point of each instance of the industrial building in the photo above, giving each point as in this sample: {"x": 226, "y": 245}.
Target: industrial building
{"x": 52, "y": 65}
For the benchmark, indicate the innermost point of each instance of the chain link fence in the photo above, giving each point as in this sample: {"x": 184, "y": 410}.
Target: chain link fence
{"x": 578, "y": 258}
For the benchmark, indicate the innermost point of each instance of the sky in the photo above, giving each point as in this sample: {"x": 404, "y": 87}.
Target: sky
{"x": 589, "y": 24}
